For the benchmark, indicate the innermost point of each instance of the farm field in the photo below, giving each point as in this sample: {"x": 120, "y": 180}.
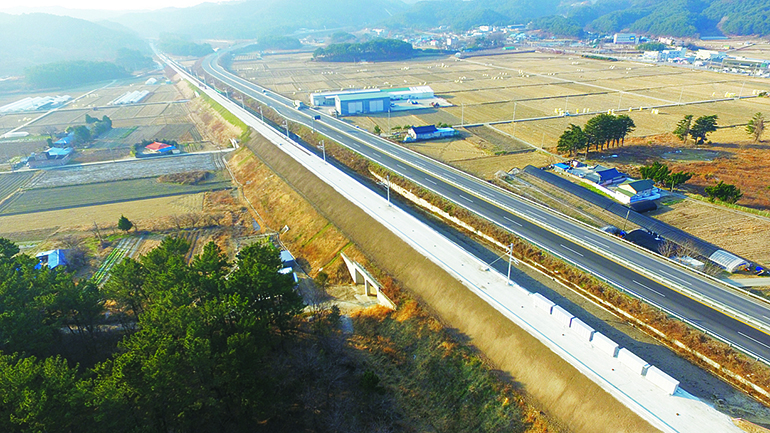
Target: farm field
{"x": 11, "y": 182}
{"x": 75, "y": 196}
{"x": 486, "y": 90}
{"x": 734, "y": 231}
{"x": 524, "y": 86}
{"x": 39, "y": 225}
{"x": 164, "y": 114}
{"x": 130, "y": 169}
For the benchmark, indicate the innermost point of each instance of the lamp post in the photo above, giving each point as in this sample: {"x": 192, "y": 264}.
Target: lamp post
{"x": 261, "y": 115}
{"x": 286, "y": 125}
{"x": 322, "y": 146}
{"x": 388, "y": 185}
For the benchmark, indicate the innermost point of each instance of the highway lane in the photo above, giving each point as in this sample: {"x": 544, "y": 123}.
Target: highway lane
{"x": 520, "y": 216}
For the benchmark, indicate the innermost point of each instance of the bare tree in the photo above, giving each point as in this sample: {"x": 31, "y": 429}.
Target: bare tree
{"x": 177, "y": 220}
{"x": 668, "y": 249}
{"x": 193, "y": 218}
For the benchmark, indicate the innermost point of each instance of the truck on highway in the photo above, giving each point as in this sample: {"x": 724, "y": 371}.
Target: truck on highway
{"x": 299, "y": 104}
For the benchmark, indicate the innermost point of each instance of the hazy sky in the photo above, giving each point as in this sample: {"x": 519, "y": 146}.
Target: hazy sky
{"x": 100, "y": 4}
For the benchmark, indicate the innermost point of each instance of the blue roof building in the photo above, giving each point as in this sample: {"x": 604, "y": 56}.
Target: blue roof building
{"x": 52, "y": 259}
{"x": 65, "y": 141}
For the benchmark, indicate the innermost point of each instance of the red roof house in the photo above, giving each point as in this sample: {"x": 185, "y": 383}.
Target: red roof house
{"x": 158, "y": 147}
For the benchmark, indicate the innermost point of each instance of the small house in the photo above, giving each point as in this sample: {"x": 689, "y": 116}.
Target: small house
{"x": 158, "y": 147}
{"x": 606, "y": 176}
{"x": 429, "y": 132}
{"x": 286, "y": 258}
{"x": 52, "y": 157}
{"x": 561, "y": 167}
{"x": 52, "y": 259}
{"x": 65, "y": 141}
{"x": 635, "y": 191}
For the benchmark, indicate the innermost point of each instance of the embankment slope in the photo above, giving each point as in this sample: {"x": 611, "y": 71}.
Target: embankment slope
{"x": 559, "y": 388}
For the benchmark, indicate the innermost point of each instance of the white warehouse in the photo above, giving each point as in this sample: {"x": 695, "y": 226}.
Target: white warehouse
{"x": 380, "y": 99}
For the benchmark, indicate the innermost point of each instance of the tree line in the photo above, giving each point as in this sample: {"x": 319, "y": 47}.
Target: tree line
{"x": 374, "y": 50}
{"x": 174, "y": 44}
{"x": 600, "y": 131}
{"x": 72, "y": 73}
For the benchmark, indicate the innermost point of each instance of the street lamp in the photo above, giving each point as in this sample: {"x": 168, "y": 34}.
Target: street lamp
{"x": 286, "y": 125}
{"x": 388, "y": 177}
{"x": 261, "y": 115}
{"x": 510, "y": 256}
{"x": 322, "y": 146}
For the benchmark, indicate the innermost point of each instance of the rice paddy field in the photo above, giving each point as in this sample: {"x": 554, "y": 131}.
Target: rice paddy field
{"x": 527, "y": 87}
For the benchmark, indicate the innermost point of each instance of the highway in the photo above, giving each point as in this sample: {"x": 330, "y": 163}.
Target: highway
{"x": 708, "y": 305}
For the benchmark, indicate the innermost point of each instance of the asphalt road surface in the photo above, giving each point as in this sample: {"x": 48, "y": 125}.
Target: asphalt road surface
{"x": 722, "y": 312}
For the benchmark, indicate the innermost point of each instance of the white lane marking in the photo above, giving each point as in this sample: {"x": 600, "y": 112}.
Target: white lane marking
{"x": 462, "y": 196}
{"x": 512, "y": 221}
{"x": 431, "y": 181}
{"x": 768, "y": 318}
{"x": 401, "y": 166}
{"x": 570, "y": 249}
{"x": 675, "y": 277}
{"x": 355, "y": 145}
{"x": 754, "y": 339}
{"x": 652, "y": 290}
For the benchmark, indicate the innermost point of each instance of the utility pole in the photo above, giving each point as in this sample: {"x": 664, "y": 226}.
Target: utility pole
{"x": 626, "y": 220}
{"x": 510, "y": 256}
{"x": 680, "y": 95}
{"x": 462, "y": 118}
{"x": 286, "y": 124}
{"x": 620, "y": 98}
{"x": 261, "y": 115}
{"x": 514, "y": 118}
{"x": 323, "y": 148}
{"x": 389, "y": 120}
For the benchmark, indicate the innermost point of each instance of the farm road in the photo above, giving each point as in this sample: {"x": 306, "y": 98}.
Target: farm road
{"x": 129, "y": 169}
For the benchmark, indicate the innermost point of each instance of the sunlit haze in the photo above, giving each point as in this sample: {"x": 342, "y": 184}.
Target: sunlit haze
{"x": 99, "y": 4}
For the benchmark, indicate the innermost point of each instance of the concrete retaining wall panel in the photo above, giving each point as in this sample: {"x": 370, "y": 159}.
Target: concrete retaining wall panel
{"x": 662, "y": 380}
{"x": 605, "y": 344}
{"x": 542, "y": 303}
{"x": 561, "y": 315}
{"x": 580, "y": 328}
{"x": 632, "y": 362}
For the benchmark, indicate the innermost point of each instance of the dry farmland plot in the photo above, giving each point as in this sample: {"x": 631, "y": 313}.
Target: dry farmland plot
{"x": 11, "y": 149}
{"x": 11, "y": 182}
{"x": 17, "y": 227}
{"x": 130, "y": 169}
{"x": 63, "y": 197}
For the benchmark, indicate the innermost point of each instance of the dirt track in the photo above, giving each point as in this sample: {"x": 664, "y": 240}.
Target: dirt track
{"x": 558, "y": 387}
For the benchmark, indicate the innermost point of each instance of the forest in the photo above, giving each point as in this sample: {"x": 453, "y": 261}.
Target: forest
{"x": 375, "y": 50}
{"x": 174, "y": 44}
{"x": 72, "y": 73}
{"x": 213, "y": 345}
